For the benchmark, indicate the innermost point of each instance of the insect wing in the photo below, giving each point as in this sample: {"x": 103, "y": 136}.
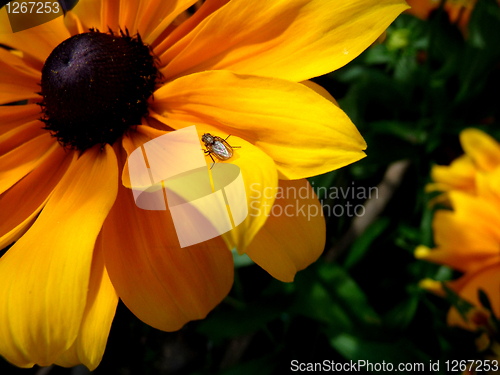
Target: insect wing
{"x": 221, "y": 149}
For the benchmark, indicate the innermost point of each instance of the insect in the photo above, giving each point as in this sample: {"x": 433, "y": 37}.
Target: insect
{"x": 218, "y": 147}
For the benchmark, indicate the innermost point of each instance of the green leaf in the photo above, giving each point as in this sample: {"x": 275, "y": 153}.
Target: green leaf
{"x": 223, "y": 324}
{"x": 331, "y": 296}
{"x": 462, "y": 306}
{"x": 395, "y": 353}
{"x": 262, "y": 366}
{"x": 362, "y": 243}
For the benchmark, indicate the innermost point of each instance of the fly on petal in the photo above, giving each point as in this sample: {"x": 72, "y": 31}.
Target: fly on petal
{"x": 221, "y": 150}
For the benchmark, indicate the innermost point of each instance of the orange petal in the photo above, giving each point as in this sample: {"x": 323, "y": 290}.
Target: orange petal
{"x": 19, "y": 135}
{"x": 102, "y": 300}
{"x": 294, "y": 234}
{"x": 16, "y": 115}
{"x": 15, "y": 164}
{"x": 162, "y": 284}
{"x": 45, "y": 275}
{"x": 88, "y": 13}
{"x": 304, "y": 133}
{"x": 36, "y": 43}
{"x": 294, "y": 40}
{"x": 17, "y": 80}
{"x": 25, "y": 200}
{"x": 154, "y": 16}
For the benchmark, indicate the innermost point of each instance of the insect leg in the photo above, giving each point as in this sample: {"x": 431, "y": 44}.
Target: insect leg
{"x": 210, "y": 154}
{"x": 232, "y": 146}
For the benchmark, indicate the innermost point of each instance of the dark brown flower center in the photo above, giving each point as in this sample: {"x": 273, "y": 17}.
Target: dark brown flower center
{"x": 95, "y": 86}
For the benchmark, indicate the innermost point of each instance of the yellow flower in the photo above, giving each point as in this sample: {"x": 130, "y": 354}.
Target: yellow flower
{"x": 234, "y": 67}
{"x": 467, "y": 237}
{"x": 467, "y": 172}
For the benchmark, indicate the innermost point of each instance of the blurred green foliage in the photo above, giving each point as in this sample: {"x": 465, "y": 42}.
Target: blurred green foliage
{"x": 410, "y": 96}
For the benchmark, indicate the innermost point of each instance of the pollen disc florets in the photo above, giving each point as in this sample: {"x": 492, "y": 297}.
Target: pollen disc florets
{"x": 95, "y": 86}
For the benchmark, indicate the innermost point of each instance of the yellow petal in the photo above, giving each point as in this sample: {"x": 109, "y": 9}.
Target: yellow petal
{"x": 36, "y": 43}
{"x": 22, "y": 203}
{"x": 97, "y": 318}
{"x": 294, "y": 234}
{"x": 320, "y": 90}
{"x": 207, "y": 8}
{"x": 261, "y": 181}
{"x": 131, "y": 142}
{"x": 488, "y": 185}
{"x": 17, "y": 80}
{"x": 16, "y": 115}
{"x": 459, "y": 175}
{"x": 466, "y": 237}
{"x": 482, "y": 148}
{"x": 45, "y": 275}
{"x": 294, "y": 40}
{"x": 162, "y": 284}
{"x": 15, "y": 164}
{"x": 304, "y": 133}
{"x": 257, "y": 169}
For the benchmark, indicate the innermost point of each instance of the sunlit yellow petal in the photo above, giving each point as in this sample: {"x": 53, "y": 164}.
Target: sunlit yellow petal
{"x": 320, "y": 90}
{"x": 482, "y": 148}
{"x": 294, "y": 234}
{"x": 261, "y": 180}
{"x": 294, "y": 40}
{"x": 466, "y": 237}
{"x": 96, "y": 323}
{"x": 304, "y": 133}
{"x": 488, "y": 186}
{"x": 45, "y": 275}
{"x": 459, "y": 175}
